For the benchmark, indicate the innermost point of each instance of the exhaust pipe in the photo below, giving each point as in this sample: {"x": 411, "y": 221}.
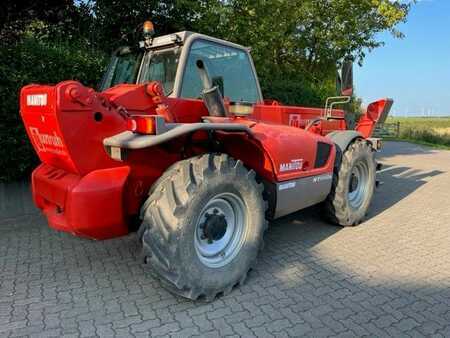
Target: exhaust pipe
{"x": 212, "y": 98}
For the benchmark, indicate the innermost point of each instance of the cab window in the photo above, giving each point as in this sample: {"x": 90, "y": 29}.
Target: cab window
{"x": 230, "y": 70}
{"x": 123, "y": 68}
{"x": 161, "y": 66}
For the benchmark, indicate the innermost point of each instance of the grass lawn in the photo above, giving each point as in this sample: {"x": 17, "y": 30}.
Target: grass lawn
{"x": 431, "y": 131}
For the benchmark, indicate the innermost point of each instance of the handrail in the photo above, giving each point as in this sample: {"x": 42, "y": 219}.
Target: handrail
{"x": 335, "y": 100}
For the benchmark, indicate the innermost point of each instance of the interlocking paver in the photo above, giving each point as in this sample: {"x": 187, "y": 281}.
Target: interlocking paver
{"x": 165, "y": 329}
{"x": 186, "y": 332}
{"x": 223, "y": 327}
{"x": 388, "y": 277}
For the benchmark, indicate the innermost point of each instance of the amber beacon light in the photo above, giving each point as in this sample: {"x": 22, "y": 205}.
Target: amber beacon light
{"x": 148, "y": 28}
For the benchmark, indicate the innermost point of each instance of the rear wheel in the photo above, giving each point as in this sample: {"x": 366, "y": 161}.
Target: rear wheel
{"x": 353, "y": 185}
{"x": 202, "y": 226}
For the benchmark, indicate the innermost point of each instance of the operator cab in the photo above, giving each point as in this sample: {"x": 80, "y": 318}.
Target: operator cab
{"x": 171, "y": 60}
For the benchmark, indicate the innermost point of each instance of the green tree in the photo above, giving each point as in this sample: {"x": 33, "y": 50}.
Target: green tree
{"x": 116, "y": 23}
{"x": 298, "y": 42}
{"x": 40, "y": 42}
{"x": 295, "y": 45}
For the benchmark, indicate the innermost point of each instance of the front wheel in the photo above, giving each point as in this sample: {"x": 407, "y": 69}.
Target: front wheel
{"x": 202, "y": 226}
{"x": 353, "y": 185}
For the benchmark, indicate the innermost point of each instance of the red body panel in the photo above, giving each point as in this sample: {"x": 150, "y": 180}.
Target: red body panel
{"x": 64, "y": 133}
{"x": 298, "y": 117}
{"x": 83, "y": 191}
{"x": 41, "y": 123}
{"x": 374, "y": 112}
{"x": 89, "y": 206}
{"x": 272, "y": 146}
{"x": 285, "y": 144}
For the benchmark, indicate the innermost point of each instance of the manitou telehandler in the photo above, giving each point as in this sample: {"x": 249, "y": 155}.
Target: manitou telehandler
{"x": 179, "y": 136}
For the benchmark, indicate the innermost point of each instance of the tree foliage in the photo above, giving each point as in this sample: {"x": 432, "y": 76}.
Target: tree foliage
{"x": 115, "y": 23}
{"x": 301, "y": 40}
{"x": 295, "y": 45}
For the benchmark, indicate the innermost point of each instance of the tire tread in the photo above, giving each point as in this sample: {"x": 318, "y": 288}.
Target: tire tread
{"x": 335, "y": 206}
{"x": 159, "y": 231}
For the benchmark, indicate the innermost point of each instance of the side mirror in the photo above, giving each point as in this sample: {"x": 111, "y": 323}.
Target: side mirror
{"x": 345, "y": 78}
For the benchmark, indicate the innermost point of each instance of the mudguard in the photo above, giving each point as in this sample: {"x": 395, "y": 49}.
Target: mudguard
{"x": 343, "y": 138}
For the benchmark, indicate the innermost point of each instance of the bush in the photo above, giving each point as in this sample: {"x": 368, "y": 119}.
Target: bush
{"x": 39, "y": 54}
{"x": 425, "y": 135}
{"x": 293, "y": 89}
{"x": 33, "y": 60}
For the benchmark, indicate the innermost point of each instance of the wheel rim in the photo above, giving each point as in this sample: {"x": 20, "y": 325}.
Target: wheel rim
{"x": 358, "y": 184}
{"x": 220, "y": 230}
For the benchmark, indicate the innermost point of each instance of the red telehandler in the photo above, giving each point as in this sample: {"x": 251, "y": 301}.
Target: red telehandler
{"x": 179, "y": 140}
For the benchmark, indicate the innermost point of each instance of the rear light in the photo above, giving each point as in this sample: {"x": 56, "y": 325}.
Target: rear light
{"x": 142, "y": 124}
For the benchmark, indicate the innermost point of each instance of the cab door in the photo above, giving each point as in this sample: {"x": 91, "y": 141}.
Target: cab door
{"x": 230, "y": 67}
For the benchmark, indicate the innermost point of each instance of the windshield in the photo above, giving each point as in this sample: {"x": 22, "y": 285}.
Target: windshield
{"x": 156, "y": 66}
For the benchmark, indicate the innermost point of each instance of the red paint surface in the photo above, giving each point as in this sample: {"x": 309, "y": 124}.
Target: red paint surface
{"x": 367, "y": 122}
{"x": 83, "y": 191}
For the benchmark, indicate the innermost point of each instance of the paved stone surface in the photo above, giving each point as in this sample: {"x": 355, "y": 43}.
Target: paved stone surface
{"x": 388, "y": 277}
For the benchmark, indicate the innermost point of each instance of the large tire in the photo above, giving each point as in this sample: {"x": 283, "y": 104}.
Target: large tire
{"x": 194, "y": 195}
{"x": 353, "y": 185}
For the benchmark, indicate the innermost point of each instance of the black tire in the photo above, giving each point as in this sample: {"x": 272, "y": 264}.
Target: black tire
{"x": 170, "y": 218}
{"x": 340, "y": 206}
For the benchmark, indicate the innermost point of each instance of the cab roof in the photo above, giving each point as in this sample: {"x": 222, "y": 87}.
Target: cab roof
{"x": 183, "y": 36}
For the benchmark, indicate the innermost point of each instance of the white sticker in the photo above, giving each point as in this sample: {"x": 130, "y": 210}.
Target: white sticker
{"x": 293, "y": 165}
{"x": 285, "y": 186}
{"x": 47, "y": 142}
{"x": 37, "y": 100}
{"x": 321, "y": 178}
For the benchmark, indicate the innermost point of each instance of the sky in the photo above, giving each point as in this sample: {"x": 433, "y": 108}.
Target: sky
{"x": 414, "y": 71}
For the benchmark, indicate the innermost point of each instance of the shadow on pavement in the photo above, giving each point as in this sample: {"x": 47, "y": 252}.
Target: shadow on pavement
{"x": 392, "y": 148}
{"x": 308, "y": 226}
{"x": 397, "y": 184}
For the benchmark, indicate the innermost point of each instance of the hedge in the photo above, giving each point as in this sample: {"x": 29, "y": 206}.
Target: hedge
{"x": 31, "y": 60}
{"x": 35, "y": 60}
